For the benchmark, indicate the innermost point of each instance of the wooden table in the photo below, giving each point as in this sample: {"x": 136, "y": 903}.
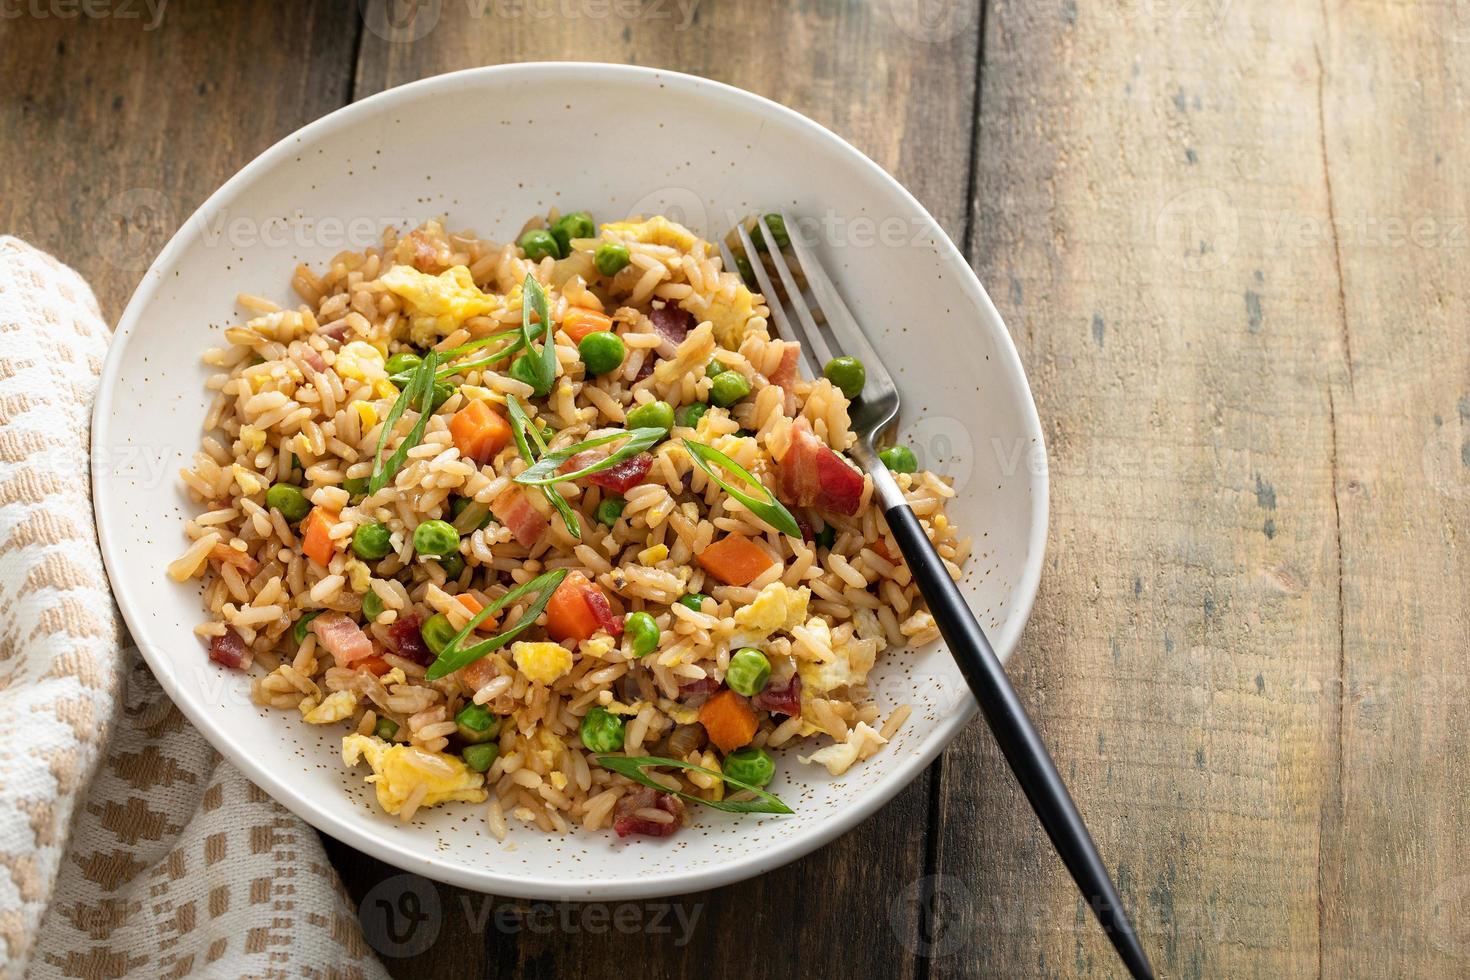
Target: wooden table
{"x": 1228, "y": 238}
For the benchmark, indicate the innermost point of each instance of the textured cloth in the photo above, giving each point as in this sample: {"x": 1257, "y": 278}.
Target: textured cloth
{"x": 127, "y": 845}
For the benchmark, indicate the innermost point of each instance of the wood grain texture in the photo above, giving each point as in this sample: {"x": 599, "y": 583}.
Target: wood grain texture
{"x": 116, "y": 128}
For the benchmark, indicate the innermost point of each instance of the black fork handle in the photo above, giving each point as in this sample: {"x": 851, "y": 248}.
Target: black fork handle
{"x": 1017, "y": 737}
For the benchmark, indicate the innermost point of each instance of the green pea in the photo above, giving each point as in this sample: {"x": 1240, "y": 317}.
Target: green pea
{"x": 476, "y": 723}
{"x": 746, "y": 270}
{"x": 289, "y": 500}
{"x": 826, "y": 537}
{"x": 610, "y": 258}
{"x": 372, "y": 541}
{"x": 437, "y": 632}
{"x": 642, "y": 632}
{"x": 899, "y": 459}
{"x": 525, "y": 370}
{"x": 457, "y": 506}
{"x": 610, "y": 510}
{"x": 356, "y": 486}
{"x": 452, "y": 564}
{"x": 848, "y": 374}
{"x": 298, "y": 632}
{"x": 748, "y": 671}
{"x": 778, "y": 232}
{"x": 652, "y": 415}
{"x": 385, "y": 729}
{"x": 601, "y": 352}
{"x": 602, "y": 731}
{"x": 753, "y": 766}
{"x": 435, "y": 539}
{"x": 713, "y": 368}
{"x": 538, "y": 244}
{"x": 694, "y": 600}
{"x": 578, "y": 224}
{"x": 691, "y": 414}
{"x": 372, "y": 605}
{"x": 480, "y": 757}
{"x": 403, "y": 363}
{"x": 727, "y": 388}
{"x": 442, "y": 391}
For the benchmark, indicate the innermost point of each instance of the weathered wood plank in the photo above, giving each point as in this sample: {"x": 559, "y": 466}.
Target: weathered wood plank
{"x": 1396, "y": 879}
{"x": 901, "y": 89}
{"x": 117, "y": 128}
{"x": 1181, "y": 655}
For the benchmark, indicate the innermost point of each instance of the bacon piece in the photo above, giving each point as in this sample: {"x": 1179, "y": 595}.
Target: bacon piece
{"x": 785, "y": 375}
{"x": 625, "y": 475}
{"x": 229, "y": 650}
{"x": 514, "y": 510}
{"x": 627, "y": 822}
{"x": 695, "y": 692}
{"x": 478, "y": 673}
{"x": 423, "y": 255}
{"x": 812, "y": 475}
{"x": 311, "y": 357}
{"x": 232, "y": 556}
{"x": 335, "y": 331}
{"x": 341, "y": 637}
{"x": 672, "y": 326}
{"x": 783, "y": 699}
{"x": 409, "y": 642}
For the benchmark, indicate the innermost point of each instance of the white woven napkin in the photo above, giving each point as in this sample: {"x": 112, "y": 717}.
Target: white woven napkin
{"x": 127, "y": 845}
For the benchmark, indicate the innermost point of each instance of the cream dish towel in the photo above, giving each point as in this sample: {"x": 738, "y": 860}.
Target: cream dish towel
{"x": 128, "y": 847}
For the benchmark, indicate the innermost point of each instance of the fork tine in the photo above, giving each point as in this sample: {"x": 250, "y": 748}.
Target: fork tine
{"x": 840, "y": 321}
{"x": 813, "y": 338}
{"x": 784, "y": 326}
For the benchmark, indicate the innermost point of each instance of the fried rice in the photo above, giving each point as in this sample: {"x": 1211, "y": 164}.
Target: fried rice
{"x": 301, "y": 397}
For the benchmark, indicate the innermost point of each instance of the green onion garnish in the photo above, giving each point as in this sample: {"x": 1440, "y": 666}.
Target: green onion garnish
{"x": 545, "y": 472}
{"x": 769, "y": 510}
{"x": 453, "y": 656}
{"x": 419, "y": 392}
{"x": 533, "y": 298}
{"x": 633, "y": 766}
{"x": 516, "y": 343}
{"x": 520, "y": 427}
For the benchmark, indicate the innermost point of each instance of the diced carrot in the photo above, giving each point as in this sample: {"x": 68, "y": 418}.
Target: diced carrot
{"x": 570, "y": 615}
{"x": 578, "y": 322}
{"x": 473, "y": 607}
{"x": 374, "y": 665}
{"x": 728, "y": 719}
{"x": 479, "y": 432}
{"x": 314, "y": 540}
{"x": 735, "y": 560}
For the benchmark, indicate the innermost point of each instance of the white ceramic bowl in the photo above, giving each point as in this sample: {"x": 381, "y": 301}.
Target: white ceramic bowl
{"x": 486, "y": 148}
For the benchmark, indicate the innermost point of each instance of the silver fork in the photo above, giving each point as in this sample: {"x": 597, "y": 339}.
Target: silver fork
{"x": 872, "y": 414}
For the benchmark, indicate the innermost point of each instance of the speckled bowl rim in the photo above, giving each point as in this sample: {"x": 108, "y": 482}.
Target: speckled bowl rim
{"x": 897, "y": 775}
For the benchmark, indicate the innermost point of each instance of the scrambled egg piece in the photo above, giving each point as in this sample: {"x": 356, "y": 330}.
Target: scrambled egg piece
{"x": 248, "y": 482}
{"x": 598, "y": 646}
{"x": 729, "y": 316}
{"x": 438, "y": 304}
{"x": 654, "y": 555}
{"x": 657, "y": 230}
{"x": 252, "y": 438}
{"x": 335, "y": 707}
{"x": 359, "y": 576}
{"x": 777, "y": 607}
{"x": 850, "y": 665}
{"x": 542, "y": 662}
{"x": 861, "y": 743}
{"x": 399, "y": 769}
{"x": 366, "y": 412}
{"x": 359, "y": 361}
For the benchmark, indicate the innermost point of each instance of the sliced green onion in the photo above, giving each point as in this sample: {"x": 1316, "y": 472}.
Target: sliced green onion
{"x": 520, "y": 428}
{"x": 453, "y": 656}
{"x": 545, "y": 472}
{"x": 420, "y": 393}
{"x": 633, "y": 766}
{"x": 533, "y": 299}
{"x": 769, "y": 510}
{"x": 298, "y": 632}
{"x": 516, "y": 343}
